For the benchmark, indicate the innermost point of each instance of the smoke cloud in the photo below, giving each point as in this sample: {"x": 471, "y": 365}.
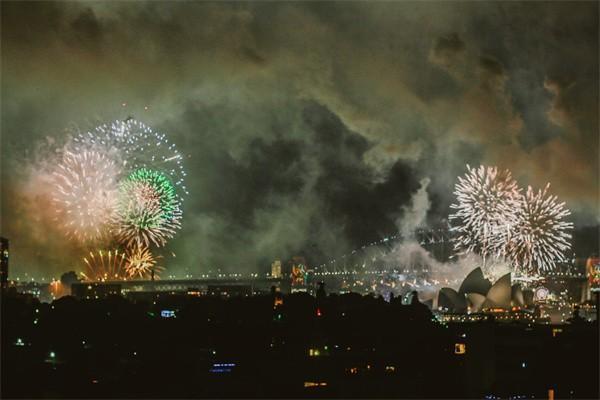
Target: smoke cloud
{"x": 415, "y": 214}
{"x": 304, "y": 132}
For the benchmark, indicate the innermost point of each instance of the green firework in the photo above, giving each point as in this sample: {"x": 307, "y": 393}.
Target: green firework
{"x": 149, "y": 208}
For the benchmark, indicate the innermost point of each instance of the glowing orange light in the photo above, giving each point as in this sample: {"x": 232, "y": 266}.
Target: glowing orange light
{"x": 460, "y": 348}
{"x": 314, "y": 384}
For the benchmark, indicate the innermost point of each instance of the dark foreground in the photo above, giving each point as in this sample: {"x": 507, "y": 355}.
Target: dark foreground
{"x": 335, "y": 346}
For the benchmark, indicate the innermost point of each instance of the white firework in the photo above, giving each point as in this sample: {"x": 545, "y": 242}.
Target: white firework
{"x": 139, "y": 147}
{"x": 540, "y": 237}
{"x": 84, "y": 193}
{"x": 487, "y": 200}
{"x": 148, "y": 212}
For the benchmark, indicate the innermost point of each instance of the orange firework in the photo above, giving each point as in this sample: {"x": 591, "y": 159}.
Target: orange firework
{"x": 141, "y": 263}
{"x": 105, "y": 266}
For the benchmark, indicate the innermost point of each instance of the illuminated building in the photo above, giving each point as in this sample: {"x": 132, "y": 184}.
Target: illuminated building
{"x": 200, "y": 287}
{"x": 449, "y": 299}
{"x": 220, "y": 368}
{"x": 475, "y": 282}
{"x": 229, "y": 290}
{"x": 167, "y": 314}
{"x": 299, "y": 273}
{"x": 276, "y": 269}
{"x": 499, "y": 295}
{"x": 498, "y": 314}
{"x": 460, "y": 348}
{"x": 3, "y": 261}
{"x": 477, "y": 317}
{"x": 592, "y": 268}
{"x": 314, "y": 384}
{"x": 278, "y": 300}
{"x": 477, "y": 294}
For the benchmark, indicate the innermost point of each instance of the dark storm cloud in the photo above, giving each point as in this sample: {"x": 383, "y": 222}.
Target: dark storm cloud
{"x": 305, "y": 131}
{"x": 280, "y": 196}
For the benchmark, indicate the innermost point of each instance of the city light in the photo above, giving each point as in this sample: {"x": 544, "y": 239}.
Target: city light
{"x": 314, "y": 384}
{"x": 460, "y": 348}
{"x": 167, "y": 314}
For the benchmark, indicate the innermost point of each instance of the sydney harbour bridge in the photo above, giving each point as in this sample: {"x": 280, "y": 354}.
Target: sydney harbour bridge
{"x": 390, "y": 259}
{"x": 384, "y": 254}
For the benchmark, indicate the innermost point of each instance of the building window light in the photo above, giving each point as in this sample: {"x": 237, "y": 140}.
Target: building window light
{"x": 314, "y": 384}
{"x": 314, "y": 352}
{"x": 460, "y": 348}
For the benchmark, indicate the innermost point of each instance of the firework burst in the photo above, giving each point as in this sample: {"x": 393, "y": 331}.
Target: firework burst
{"x": 139, "y": 147}
{"x": 105, "y": 266}
{"x": 120, "y": 182}
{"x": 149, "y": 209}
{"x": 485, "y": 211}
{"x": 540, "y": 235}
{"x": 84, "y": 197}
{"x": 141, "y": 263}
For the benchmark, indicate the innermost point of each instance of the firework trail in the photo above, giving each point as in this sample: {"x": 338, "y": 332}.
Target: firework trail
{"x": 105, "y": 266}
{"x": 84, "y": 193}
{"x": 141, "y": 263}
{"x": 540, "y": 236}
{"x": 485, "y": 211}
{"x": 149, "y": 209}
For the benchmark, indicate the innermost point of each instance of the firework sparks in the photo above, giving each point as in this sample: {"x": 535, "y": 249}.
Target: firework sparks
{"x": 149, "y": 209}
{"x": 85, "y": 193}
{"x": 141, "y": 263}
{"x": 118, "y": 183}
{"x": 540, "y": 236}
{"x": 141, "y": 147}
{"x": 105, "y": 266}
{"x": 487, "y": 201}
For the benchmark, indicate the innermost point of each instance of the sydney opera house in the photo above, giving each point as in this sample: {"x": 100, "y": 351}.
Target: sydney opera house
{"x": 477, "y": 294}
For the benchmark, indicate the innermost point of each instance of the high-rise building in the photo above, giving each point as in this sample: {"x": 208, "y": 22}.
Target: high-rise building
{"x": 3, "y": 261}
{"x": 276, "y": 269}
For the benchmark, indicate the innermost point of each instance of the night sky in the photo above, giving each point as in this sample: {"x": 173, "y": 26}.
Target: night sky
{"x": 307, "y": 127}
